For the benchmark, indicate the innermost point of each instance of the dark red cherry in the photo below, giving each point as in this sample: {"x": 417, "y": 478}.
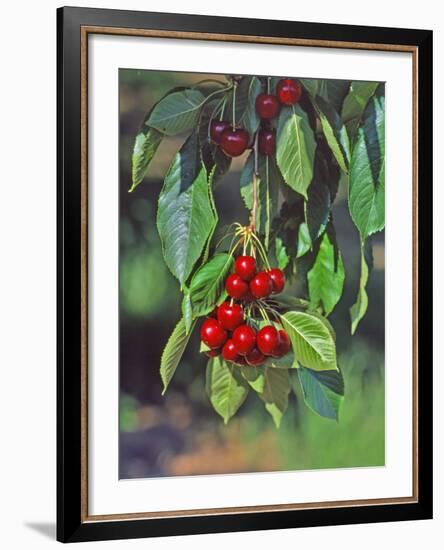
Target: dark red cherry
{"x": 283, "y": 346}
{"x": 267, "y": 106}
{"x": 267, "y": 142}
{"x": 288, "y": 91}
{"x": 235, "y": 286}
{"x": 277, "y": 277}
{"x": 213, "y": 352}
{"x": 217, "y": 127}
{"x": 241, "y": 361}
{"x": 229, "y": 351}
{"x": 255, "y": 357}
{"x": 244, "y": 339}
{"x": 261, "y": 285}
{"x": 212, "y": 334}
{"x": 230, "y": 316}
{"x": 267, "y": 339}
{"x": 245, "y": 267}
{"x": 234, "y": 141}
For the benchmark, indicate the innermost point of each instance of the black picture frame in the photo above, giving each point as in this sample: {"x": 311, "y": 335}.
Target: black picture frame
{"x": 71, "y": 523}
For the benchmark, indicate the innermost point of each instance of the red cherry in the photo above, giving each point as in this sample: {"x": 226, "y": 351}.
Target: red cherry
{"x": 235, "y": 286}
{"x": 234, "y": 141}
{"x": 267, "y": 106}
{"x": 244, "y": 338}
{"x": 277, "y": 277}
{"x": 283, "y": 346}
{"x": 267, "y": 142}
{"x": 261, "y": 285}
{"x": 230, "y": 317}
{"x": 267, "y": 339}
{"x": 217, "y": 127}
{"x": 255, "y": 358}
{"x": 245, "y": 267}
{"x": 213, "y": 352}
{"x": 288, "y": 91}
{"x": 241, "y": 361}
{"x": 212, "y": 334}
{"x": 213, "y": 313}
{"x": 229, "y": 351}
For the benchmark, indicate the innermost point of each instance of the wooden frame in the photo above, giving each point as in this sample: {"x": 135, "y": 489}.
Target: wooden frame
{"x": 74, "y": 522}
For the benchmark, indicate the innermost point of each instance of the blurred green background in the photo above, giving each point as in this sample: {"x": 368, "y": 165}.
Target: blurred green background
{"x": 179, "y": 433}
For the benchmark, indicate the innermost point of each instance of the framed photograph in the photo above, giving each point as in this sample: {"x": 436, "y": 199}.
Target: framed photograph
{"x": 244, "y": 274}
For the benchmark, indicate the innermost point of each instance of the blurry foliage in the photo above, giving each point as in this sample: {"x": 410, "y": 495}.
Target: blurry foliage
{"x": 178, "y": 434}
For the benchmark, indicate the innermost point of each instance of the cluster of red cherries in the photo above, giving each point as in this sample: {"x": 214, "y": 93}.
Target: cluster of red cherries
{"x": 235, "y": 140}
{"x": 226, "y": 331}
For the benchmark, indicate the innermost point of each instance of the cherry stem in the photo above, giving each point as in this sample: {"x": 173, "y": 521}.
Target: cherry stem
{"x": 234, "y": 105}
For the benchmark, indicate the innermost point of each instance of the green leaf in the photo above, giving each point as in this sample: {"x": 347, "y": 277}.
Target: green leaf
{"x": 367, "y": 170}
{"x": 295, "y": 148}
{"x": 173, "y": 352}
{"x": 275, "y": 393}
{"x": 226, "y": 388}
{"x": 311, "y": 85}
{"x": 255, "y": 377}
{"x": 250, "y": 119}
{"x": 355, "y": 103}
{"x": 207, "y": 284}
{"x": 326, "y": 277}
{"x": 177, "y": 112}
{"x": 187, "y": 312}
{"x": 146, "y": 144}
{"x": 313, "y": 344}
{"x": 359, "y": 308}
{"x": 317, "y": 208}
{"x": 269, "y": 180}
{"x": 286, "y": 362}
{"x": 323, "y": 391}
{"x": 185, "y": 217}
{"x": 304, "y": 240}
{"x": 281, "y": 253}
{"x": 335, "y": 132}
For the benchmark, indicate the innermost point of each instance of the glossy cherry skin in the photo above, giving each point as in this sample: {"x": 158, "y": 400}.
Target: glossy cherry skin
{"x": 229, "y": 351}
{"x": 261, "y": 285}
{"x": 283, "y": 346}
{"x": 241, "y": 361}
{"x": 267, "y": 142}
{"x": 244, "y": 339}
{"x": 267, "y": 106}
{"x": 213, "y": 352}
{"x": 267, "y": 339}
{"x": 212, "y": 334}
{"x": 235, "y": 286}
{"x": 277, "y": 277}
{"x": 255, "y": 358}
{"x": 230, "y": 317}
{"x": 217, "y": 127}
{"x": 234, "y": 141}
{"x": 245, "y": 267}
{"x": 288, "y": 91}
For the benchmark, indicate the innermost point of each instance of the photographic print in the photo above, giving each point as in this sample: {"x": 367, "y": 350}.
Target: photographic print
{"x": 251, "y": 260}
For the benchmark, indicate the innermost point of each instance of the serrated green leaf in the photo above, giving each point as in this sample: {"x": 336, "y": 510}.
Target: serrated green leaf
{"x": 355, "y": 103}
{"x": 275, "y": 393}
{"x": 359, "y": 308}
{"x": 326, "y": 277}
{"x": 335, "y": 132}
{"x": 281, "y": 253}
{"x": 187, "y": 312}
{"x": 185, "y": 217}
{"x": 255, "y": 377}
{"x": 304, "y": 240}
{"x": 311, "y": 85}
{"x": 207, "y": 284}
{"x": 367, "y": 169}
{"x": 313, "y": 344}
{"x": 295, "y": 148}
{"x": 226, "y": 388}
{"x": 146, "y": 144}
{"x": 250, "y": 119}
{"x": 317, "y": 208}
{"x": 173, "y": 352}
{"x": 323, "y": 391}
{"x": 286, "y": 362}
{"x": 333, "y": 92}
{"x": 177, "y": 112}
